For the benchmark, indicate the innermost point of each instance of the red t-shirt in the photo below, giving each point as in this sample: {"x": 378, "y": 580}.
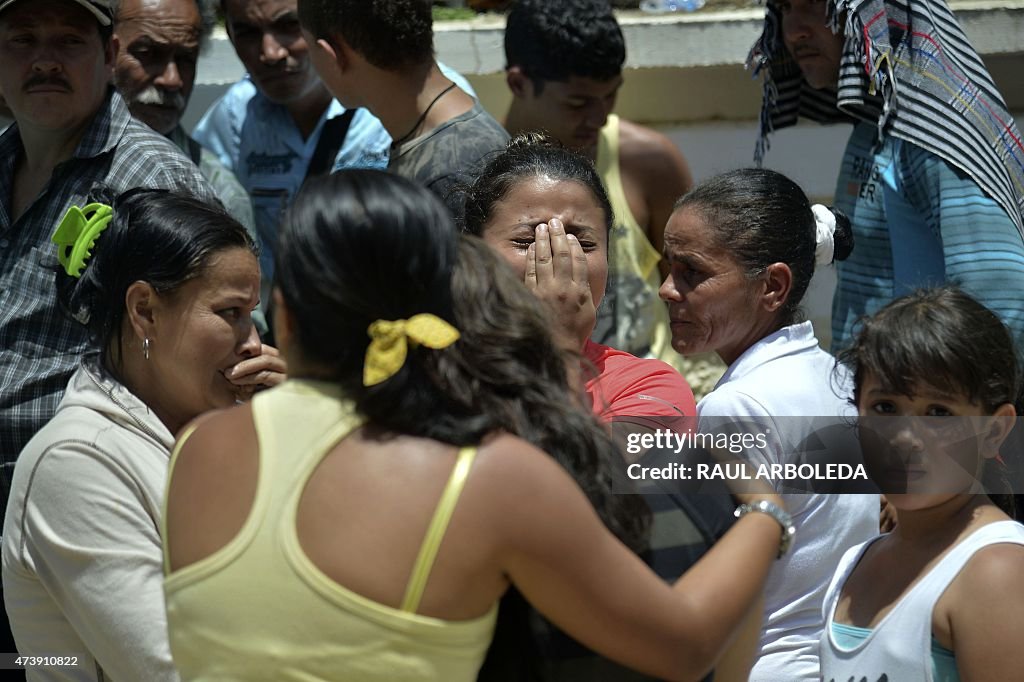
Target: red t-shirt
{"x": 628, "y": 386}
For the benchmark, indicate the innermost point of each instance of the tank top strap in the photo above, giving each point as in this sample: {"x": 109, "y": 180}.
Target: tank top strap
{"x": 185, "y": 434}
{"x": 934, "y": 583}
{"x": 436, "y": 530}
{"x": 607, "y": 161}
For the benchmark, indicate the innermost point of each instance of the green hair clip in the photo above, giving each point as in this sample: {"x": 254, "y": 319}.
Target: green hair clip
{"x": 77, "y": 233}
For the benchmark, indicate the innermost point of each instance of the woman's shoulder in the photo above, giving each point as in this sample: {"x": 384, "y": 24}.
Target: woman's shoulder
{"x": 509, "y": 470}
{"x": 997, "y": 565}
{"x": 506, "y": 454}
{"x": 805, "y": 381}
{"x": 632, "y": 386}
{"x": 521, "y": 494}
{"x": 211, "y": 485}
{"x": 94, "y": 434}
{"x": 215, "y": 439}
{"x": 731, "y": 399}
{"x": 80, "y": 452}
{"x": 988, "y": 589}
{"x": 85, "y": 459}
{"x": 995, "y": 546}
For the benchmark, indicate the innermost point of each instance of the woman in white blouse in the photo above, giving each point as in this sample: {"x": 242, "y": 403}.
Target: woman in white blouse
{"x": 742, "y": 248}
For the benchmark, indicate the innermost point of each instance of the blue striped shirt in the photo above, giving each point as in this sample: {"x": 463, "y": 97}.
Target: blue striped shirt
{"x": 918, "y": 221}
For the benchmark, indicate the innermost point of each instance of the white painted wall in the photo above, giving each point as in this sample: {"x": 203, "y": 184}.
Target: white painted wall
{"x": 807, "y": 153}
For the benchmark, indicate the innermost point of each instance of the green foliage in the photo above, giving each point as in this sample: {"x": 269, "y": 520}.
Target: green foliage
{"x": 453, "y": 13}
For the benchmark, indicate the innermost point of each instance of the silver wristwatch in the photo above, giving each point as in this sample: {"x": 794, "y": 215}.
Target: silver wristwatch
{"x": 780, "y": 515}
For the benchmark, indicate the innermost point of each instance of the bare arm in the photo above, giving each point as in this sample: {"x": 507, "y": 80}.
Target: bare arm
{"x": 654, "y": 167}
{"x": 738, "y": 659}
{"x": 985, "y": 618}
{"x": 577, "y": 574}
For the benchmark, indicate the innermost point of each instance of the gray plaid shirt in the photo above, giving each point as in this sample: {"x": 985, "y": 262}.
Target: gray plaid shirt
{"x": 39, "y": 344}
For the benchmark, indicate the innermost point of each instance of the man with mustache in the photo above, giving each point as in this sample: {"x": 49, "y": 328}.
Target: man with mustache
{"x": 933, "y": 174}
{"x": 72, "y": 131}
{"x": 159, "y": 45}
{"x": 280, "y": 125}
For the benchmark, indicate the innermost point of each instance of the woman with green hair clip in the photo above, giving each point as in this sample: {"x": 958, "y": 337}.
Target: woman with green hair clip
{"x": 166, "y": 286}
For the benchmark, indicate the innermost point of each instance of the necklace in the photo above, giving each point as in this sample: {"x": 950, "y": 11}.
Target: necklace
{"x": 405, "y": 138}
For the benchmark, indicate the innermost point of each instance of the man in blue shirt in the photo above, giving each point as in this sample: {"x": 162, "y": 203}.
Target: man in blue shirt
{"x": 272, "y": 126}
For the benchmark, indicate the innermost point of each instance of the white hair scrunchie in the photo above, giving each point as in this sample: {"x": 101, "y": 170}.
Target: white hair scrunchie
{"x": 824, "y": 237}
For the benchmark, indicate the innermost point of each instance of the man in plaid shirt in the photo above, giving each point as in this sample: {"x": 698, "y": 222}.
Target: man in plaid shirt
{"x": 71, "y": 132}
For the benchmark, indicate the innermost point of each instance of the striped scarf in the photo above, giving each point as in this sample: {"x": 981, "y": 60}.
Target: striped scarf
{"x": 907, "y": 66}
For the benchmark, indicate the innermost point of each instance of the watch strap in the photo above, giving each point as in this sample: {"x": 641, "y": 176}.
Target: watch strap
{"x": 780, "y": 515}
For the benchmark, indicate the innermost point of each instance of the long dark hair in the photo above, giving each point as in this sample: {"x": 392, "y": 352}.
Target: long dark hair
{"x": 156, "y": 236}
{"x": 363, "y": 245}
{"x": 944, "y": 339}
{"x": 762, "y": 217}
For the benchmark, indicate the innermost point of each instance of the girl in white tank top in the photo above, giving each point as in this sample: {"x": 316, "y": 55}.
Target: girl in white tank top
{"x": 939, "y": 598}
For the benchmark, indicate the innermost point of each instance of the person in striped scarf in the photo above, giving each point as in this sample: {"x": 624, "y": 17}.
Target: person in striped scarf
{"x": 933, "y": 174}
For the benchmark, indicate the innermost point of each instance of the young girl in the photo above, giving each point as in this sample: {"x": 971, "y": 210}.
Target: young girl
{"x": 939, "y": 598}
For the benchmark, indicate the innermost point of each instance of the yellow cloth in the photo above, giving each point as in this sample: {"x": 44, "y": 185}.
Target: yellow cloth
{"x": 390, "y": 340}
{"x": 639, "y": 323}
{"x": 259, "y": 609}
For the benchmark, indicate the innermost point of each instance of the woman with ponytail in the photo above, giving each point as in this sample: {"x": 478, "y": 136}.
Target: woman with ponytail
{"x": 361, "y": 521}
{"x": 742, "y": 248}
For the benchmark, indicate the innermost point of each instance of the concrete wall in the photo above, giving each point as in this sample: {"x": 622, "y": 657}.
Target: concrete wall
{"x": 685, "y": 75}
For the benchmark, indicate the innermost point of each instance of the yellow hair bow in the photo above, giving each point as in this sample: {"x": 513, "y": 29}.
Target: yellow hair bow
{"x": 390, "y": 340}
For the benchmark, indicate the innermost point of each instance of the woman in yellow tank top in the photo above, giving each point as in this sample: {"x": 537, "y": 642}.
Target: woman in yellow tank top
{"x": 361, "y": 521}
